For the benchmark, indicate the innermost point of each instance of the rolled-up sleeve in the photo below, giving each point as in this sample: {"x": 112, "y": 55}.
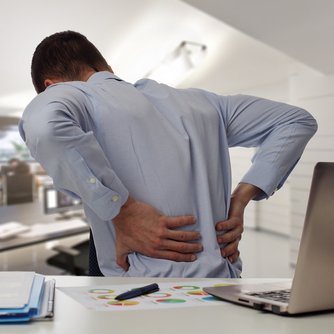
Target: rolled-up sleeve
{"x": 72, "y": 156}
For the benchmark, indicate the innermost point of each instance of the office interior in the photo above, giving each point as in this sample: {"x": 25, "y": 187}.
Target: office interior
{"x": 277, "y": 50}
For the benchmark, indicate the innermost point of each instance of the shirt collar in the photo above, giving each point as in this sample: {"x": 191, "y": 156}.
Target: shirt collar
{"x": 101, "y": 76}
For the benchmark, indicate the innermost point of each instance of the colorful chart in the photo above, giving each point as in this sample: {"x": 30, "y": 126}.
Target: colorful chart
{"x": 171, "y": 301}
{"x": 106, "y": 296}
{"x": 186, "y": 287}
{"x": 175, "y": 295}
{"x": 198, "y": 293}
{"x": 211, "y": 299}
{"x": 122, "y": 303}
{"x": 158, "y": 295}
{"x": 100, "y": 291}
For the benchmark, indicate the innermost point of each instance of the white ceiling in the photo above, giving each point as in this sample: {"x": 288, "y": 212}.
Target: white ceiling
{"x": 134, "y": 35}
{"x": 303, "y": 29}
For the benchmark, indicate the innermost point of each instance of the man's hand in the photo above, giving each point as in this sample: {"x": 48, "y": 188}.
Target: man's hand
{"x": 142, "y": 228}
{"x": 239, "y": 200}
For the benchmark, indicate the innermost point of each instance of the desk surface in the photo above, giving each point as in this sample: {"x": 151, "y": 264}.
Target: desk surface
{"x": 27, "y": 213}
{"x": 72, "y": 317}
{"x": 30, "y": 214}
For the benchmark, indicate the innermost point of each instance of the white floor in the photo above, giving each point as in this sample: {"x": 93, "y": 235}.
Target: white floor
{"x": 264, "y": 255}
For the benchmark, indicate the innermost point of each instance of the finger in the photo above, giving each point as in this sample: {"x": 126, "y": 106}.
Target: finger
{"x": 230, "y": 249}
{"x": 183, "y": 235}
{"x": 122, "y": 261}
{"x": 232, "y": 258}
{"x": 182, "y": 247}
{"x": 230, "y": 236}
{"x": 229, "y": 224}
{"x": 175, "y": 256}
{"x": 179, "y": 221}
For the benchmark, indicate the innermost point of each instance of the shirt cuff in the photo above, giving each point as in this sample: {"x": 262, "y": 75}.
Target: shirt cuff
{"x": 109, "y": 205}
{"x": 265, "y": 176}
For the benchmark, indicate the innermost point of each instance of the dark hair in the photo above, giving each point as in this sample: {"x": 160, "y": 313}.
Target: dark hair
{"x": 64, "y": 56}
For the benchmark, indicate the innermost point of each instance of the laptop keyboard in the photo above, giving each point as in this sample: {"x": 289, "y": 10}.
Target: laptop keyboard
{"x": 278, "y": 295}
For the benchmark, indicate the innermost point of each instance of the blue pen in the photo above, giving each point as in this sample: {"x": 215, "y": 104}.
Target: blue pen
{"x": 138, "y": 292}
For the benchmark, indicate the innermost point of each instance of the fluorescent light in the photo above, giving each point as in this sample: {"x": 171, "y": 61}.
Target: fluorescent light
{"x": 176, "y": 66}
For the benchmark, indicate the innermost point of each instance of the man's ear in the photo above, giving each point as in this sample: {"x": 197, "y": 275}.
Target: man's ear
{"x": 49, "y": 82}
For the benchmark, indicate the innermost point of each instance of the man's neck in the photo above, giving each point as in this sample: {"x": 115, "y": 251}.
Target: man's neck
{"x": 88, "y": 75}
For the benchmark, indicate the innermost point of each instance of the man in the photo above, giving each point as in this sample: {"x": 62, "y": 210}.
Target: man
{"x": 151, "y": 162}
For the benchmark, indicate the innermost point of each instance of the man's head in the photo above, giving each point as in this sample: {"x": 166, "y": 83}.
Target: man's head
{"x": 65, "y": 56}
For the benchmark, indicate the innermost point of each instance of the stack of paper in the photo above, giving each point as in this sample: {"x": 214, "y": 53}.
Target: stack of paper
{"x": 25, "y": 296}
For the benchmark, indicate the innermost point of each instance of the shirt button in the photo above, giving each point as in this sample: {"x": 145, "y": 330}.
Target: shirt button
{"x": 92, "y": 180}
{"x": 115, "y": 198}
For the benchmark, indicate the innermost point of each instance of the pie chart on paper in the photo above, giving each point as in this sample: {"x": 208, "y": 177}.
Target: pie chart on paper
{"x": 198, "y": 293}
{"x": 170, "y": 301}
{"x": 101, "y": 291}
{"x": 122, "y": 303}
{"x": 186, "y": 287}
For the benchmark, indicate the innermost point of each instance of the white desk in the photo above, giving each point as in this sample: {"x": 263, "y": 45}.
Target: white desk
{"x": 72, "y": 317}
{"x": 30, "y": 214}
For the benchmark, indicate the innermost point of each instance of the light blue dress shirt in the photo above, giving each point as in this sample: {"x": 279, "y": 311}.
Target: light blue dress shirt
{"x": 105, "y": 138}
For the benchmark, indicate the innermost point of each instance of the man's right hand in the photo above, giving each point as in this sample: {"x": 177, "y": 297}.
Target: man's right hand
{"x": 142, "y": 228}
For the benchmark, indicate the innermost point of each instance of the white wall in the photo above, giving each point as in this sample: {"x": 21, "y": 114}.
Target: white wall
{"x": 315, "y": 93}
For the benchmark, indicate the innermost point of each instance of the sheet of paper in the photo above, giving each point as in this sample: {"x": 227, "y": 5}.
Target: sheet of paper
{"x": 170, "y": 295}
{"x": 15, "y": 288}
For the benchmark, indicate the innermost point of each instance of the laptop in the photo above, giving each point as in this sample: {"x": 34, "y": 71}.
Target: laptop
{"x": 311, "y": 289}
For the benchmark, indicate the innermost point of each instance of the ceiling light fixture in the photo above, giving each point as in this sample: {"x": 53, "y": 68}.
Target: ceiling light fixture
{"x": 176, "y": 66}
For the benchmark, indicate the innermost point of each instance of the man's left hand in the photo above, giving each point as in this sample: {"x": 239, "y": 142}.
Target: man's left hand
{"x": 234, "y": 225}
